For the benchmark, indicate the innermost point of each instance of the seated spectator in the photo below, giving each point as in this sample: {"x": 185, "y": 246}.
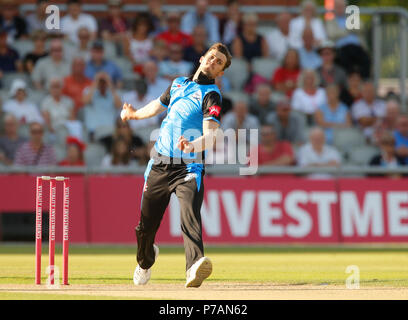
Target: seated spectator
{"x": 36, "y": 20}
{"x": 83, "y": 47}
{"x": 156, "y": 85}
{"x": 352, "y": 92}
{"x": 35, "y": 152}
{"x": 175, "y": 66}
{"x": 76, "y": 82}
{"x": 10, "y": 141}
{"x": 387, "y": 157}
{"x": 138, "y": 45}
{"x": 249, "y": 44}
{"x": 58, "y": 109}
{"x": 262, "y": 105}
{"x": 348, "y": 41}
{"x": 11, "y": 22}
{"x": 285, "y": 77}
{"x": 307, "y": 18}
{"x": 9, "y": 58}
{"x": 75, "y": 153}
{"x": 201, "y": 15}
{"x": 316, "y": 153}
{"x": 156, "y": 16}
{"x": 239, "y": 118}
{"x": 332, "y": 114}
{"x": 115, "y": 25}
{"x": 39, "y": 37}
{"x": 278, "y": 38}
{"x": 271, "y": 151}
{"x": 401, "y": 137}
{"x": 119, "y": 155}
{"x": 173, "y": 34}
{"x": 159, "y": 51}
{"x": 76, "y": 19}
{"x": 289, "y": 125}
{"x": 103, "y": 103}
{"x": 98, "y": 63}
{"x": 231, "y": 24}
{"x": 123, "y": 131}
{"x": 392, "y": 113}
{"x": 329, "y": 72}
{"x": 199, "y": 47}
{"x": 368, "y": 110}
{"x": 309, "y": 58}
{"x": 24, "y": 110}
{"x": 308, "y": 97}
{"x": 52, "y": 66}
{"x": 139, "y": 98}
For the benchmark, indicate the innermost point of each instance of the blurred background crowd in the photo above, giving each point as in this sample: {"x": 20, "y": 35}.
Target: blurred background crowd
{"x": 303, "y": 81}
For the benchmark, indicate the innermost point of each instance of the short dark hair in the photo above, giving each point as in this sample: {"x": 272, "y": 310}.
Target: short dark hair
{"x": 224, "y": 50}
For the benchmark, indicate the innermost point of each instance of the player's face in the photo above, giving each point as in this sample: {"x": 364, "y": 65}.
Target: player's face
{"x": 212, "y": 64}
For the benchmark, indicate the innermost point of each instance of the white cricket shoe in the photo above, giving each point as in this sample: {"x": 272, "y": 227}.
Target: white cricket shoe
{"x": 142, "y": 276}
{"x": 198, "y": 272}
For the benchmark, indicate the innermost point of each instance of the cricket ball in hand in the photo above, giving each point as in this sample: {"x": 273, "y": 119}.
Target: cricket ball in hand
{"x": 123, "y": 114}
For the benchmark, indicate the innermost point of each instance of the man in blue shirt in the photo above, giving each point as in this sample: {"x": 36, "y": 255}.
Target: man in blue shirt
{"x": 190, "y": 127}
{"x": 401, "y": 137}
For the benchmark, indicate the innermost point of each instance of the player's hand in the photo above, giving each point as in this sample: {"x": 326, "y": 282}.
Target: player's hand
{"x": 127, "y": 112}
{"x": 185, "y": 145}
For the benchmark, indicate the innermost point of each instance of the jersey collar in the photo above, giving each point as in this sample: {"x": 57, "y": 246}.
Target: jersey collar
{"x": 202, "y": 79}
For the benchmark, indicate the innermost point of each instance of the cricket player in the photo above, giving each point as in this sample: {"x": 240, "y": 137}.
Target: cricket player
{"x": 193, "y": 107}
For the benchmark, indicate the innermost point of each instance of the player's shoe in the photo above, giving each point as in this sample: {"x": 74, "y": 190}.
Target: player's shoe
{"x": 198, "y": 272}
{"x": 142, "y": 276}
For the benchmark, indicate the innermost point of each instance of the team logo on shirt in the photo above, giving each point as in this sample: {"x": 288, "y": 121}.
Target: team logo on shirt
{"x": 215, "y": 111}
{"x": 197, "y": 95}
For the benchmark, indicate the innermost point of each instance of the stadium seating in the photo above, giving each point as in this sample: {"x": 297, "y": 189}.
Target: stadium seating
{"x": 237, "y": 73}
{"x": 93, "y": 154}
{"x": 361, "y": 155}
{"x": 346, "y": 139}
{"x": 265, "y": 67}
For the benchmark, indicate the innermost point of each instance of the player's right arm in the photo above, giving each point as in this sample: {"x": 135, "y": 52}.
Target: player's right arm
{"x": 152, "y": 109}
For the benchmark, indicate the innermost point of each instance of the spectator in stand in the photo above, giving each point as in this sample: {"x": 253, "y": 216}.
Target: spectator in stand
{"x": 239, "y": 118}
{"x": 75, "y": 153}
{"x": 11, "y": 22}
{"x": 309, "y": 58}
{"x": 278, "y": 38}
{"x": 261, "y": 105}
{"x": 58, "y": 110}
{"x": 9, "y": 58}
{"x": 52, "y": 66}
{"x": 249, "y": 44}
{"x": 201, "y": 15}
{"x": 36, "y": 20}
{"x": 198, "y": 48}
{"x": 159, "y": 51}
{"x": 348, "y": 41}
{"x": 353, "y": 90}
{"x": 388, "y": 156}
{"x": 115, "y": 25}
{"x": 272, "y": 151}
{"x": 138, "y": 46}
{"x": 155, "y": 85}
{"x": 156, "y": 16}
{"x": 76, "y": 82}
{"x": 286, "y": 76}
{"x": 289, "y": 126}
{"x": 316, "y": 153}
{"x": 392, "y": 113}
{"x": 24, "y": 110}
{"x": 368, "y": 110}
{"x": 98, "y": 64}
{"x": 76, "y": 19}
{"x": 175, "y": 66}
{"x": 401, "y": 137}
{"x": 83, "y": 48}
{"x": 173, "y": 34}
{"x": 119, "y": 156}
{"x": 329, "y": 72}
{"x": 10, "y": 141}
{"x": 307, "y": 18}
{"x": 231, "y": 24}
{"x": 35, "y": 152}
{"x": 308, "y": 97}
{"x": 333, "y": 114}
{"x": 103, "y": 103}
{"x": 39, "y": 37}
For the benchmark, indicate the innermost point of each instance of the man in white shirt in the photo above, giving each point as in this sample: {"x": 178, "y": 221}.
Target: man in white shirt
{"x": 155, "y": 85}
{"x": 316, "y": 153}
{"x": 75, "y": 19}
{"x": 278, "y": 38}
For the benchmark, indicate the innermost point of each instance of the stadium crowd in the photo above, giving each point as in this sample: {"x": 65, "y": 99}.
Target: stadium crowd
{"x": 305, "y": 83}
